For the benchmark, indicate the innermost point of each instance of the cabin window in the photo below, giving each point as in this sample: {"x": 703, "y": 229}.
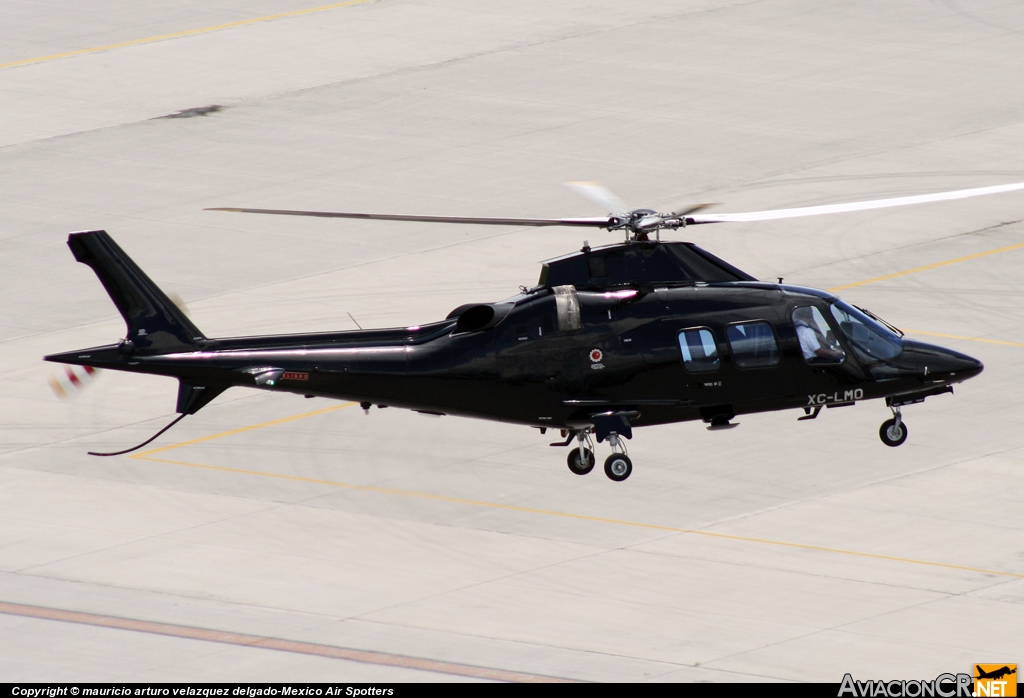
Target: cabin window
{"x": 700, "y": 354}
{"x": 753, "y": 344}
{"x": 817, "y": 342}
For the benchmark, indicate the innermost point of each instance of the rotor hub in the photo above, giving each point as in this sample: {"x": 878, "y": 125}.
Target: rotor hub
{"x": 642, "y": 222}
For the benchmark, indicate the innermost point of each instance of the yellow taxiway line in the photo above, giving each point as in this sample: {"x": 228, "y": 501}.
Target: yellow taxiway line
{"x": 927, "y": 267}
{"x": 176, "y": 35}
{"x": 970, "y": 339}
{"x": 242, "y": 430}
{"x": 947, "y": 262}
{"x": 148, "y": 456}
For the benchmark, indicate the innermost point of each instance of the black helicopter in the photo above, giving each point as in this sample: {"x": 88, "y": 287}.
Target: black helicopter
{"x": 612, "y": 337}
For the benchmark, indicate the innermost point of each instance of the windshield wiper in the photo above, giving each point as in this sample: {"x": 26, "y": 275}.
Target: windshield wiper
{"x": 892, "y": 328}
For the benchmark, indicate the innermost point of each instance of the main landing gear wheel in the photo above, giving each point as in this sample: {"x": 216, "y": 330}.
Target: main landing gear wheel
{"x": 618, "y": 467}
{"x": 893, "y": 432}
{"x": 581, "y": 464}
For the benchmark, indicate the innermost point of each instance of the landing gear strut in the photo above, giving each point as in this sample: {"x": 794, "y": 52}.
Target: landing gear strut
{"x": 581, "y": 460}
{"x": 893, "y": 431}
{"x": 617, "y": 466}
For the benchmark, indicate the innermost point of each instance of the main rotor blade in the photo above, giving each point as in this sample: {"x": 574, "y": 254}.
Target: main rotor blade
{"x": 602, "y": 222}
{"x": 854, "y": 206}
{"x": 601, "y": 195}
{"x": 692, "y": 208}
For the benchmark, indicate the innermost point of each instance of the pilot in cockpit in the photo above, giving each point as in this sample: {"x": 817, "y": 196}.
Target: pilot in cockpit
{"x": 817, "y": 342}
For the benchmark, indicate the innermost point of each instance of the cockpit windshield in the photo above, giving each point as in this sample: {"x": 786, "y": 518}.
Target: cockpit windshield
{"x": 871, "y": 340}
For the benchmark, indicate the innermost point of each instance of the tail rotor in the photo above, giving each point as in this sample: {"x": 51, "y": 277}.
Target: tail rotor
{"x": 65, "y": 384}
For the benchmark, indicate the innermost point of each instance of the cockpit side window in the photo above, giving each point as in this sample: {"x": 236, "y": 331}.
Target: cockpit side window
{"x": 753, "y": 344}
{"x": 817, "y": 342}
{"x": 871, "y": 341}
{"x": 700, "y": 354}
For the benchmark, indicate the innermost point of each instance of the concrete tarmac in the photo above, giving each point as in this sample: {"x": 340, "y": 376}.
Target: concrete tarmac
{"x": 271, "y": 538}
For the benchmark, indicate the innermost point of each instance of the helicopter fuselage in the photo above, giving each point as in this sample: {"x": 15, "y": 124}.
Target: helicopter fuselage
{"x": 622, "y": 336}
{"x": 624, "y": 356}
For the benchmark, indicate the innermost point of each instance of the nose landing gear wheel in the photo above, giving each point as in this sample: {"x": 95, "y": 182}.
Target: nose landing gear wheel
{"x": 581, "y": 464}
{"x": 618, "y": 467}
{"x": 893, "y": 433}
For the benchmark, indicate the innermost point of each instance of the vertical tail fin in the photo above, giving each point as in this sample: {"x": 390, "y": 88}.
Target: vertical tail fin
{"x": 155, "y": 324}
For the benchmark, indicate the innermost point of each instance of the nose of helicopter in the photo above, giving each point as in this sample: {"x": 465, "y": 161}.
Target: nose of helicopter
{"x": 940, "y": 364}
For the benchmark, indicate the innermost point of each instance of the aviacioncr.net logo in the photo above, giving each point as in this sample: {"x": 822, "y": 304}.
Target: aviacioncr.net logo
{"x": 942, "y": 686}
